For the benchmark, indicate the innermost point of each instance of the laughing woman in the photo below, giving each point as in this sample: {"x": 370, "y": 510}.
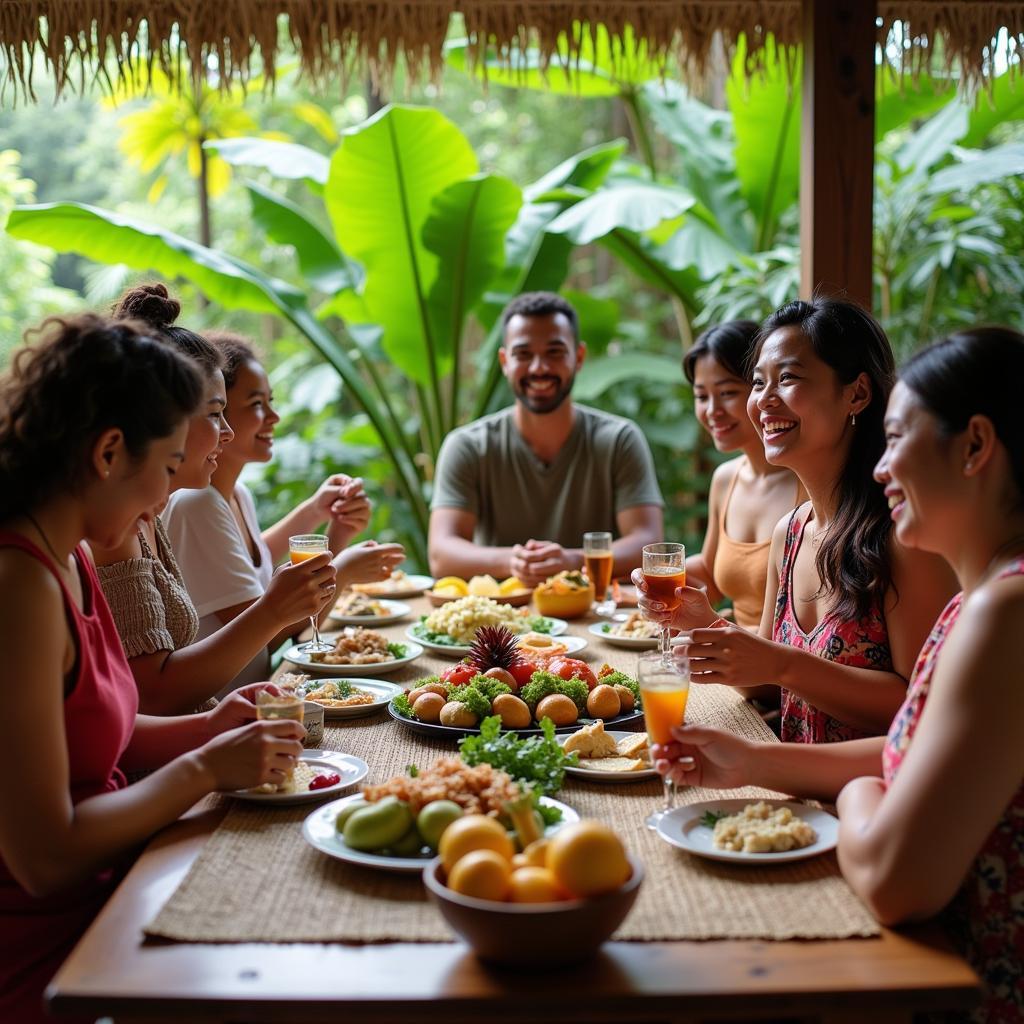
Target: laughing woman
{"x": 847, "y": 607}
{"x": 931, "y": 816}
{"x": 93, "y": 420}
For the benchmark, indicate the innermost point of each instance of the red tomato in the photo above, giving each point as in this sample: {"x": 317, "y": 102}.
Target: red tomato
{"x": 325, "y": 780}
{"x": 573, "y": 668}
{"x": 521, "y": 671}
{"x": 458, "y": 675}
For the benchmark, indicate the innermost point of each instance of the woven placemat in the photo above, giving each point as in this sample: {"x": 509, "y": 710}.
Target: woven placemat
{"x": 257, "y": 880}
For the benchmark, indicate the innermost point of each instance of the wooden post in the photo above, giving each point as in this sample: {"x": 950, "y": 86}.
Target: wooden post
{"x": 837, "y": 148}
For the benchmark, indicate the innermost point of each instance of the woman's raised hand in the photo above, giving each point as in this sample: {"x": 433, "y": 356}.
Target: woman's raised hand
{"x": 368, "y": 562}
{"x": 251, "y": 755}
{"x": 704, "y": 757}
{"x": 298, "y": 591}
{"x": 694, "y": 610}
{"x": 734, "y": 656}
{"x": 343, "y": 500}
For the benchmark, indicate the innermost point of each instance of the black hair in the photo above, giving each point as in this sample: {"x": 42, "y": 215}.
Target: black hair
{"x": 85, "y": 375}
{"x": 731, "y": 344}
{"x": 853, "y": 560}
{"x": 234, "y": 351}
{"x": 541, "y": 304}
{"x": 974, "y": 372}
{"x": 154, "y": 306}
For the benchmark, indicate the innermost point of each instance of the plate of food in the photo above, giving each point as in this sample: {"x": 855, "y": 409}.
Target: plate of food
{"x": 510, "y": 591}
{"x": 318, "y": 773}
{"x": 350, "y": 698}
{"x": 629, "y": 630}
{"x": 407, "y": 815}
{"x": 358, "y": 651}
{"x": 496, "y": 680}
{"x": 398, "y": 584}
{"x": 608, "y": 756}
{"x": 356, "y": 609}
{"x": 750, "y": 831}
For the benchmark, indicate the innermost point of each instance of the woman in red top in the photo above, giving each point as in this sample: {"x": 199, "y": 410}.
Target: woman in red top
{"x": 932, "y": 816}
{"x": 92, "y": 426}
{"x": 846, "y": 607}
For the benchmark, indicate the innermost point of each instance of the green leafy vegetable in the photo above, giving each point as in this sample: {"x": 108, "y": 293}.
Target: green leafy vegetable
{"x": 710, "y": 818}
{"x": 400, "y": 702}
{"x": 543, "y": 684}
{"x": 477, "y": 702}
{"x": 538, "y": 761}
{"x": 621, "y": 679}
{"x": 396, "y": 650}
{"x": 539, "y": 624}
{"x": 444, "y": 639}
{"x": 412, "y": 770}
{"x": 490, "y": 688}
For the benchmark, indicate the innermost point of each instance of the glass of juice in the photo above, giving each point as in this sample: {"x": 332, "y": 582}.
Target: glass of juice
{"x": 597, "y": 563}
{"x": 301, "y": 547}
{"x": 664, "y": 572}
{"x": 286, "y": 704}
{"x": 664, "y": 687}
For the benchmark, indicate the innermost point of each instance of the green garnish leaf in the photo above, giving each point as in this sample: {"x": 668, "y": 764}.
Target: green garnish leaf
{"x": 412, "y": 770}
{"x": 711, "y": 818}
{"x": 396, "y": 650}
{"x": 537, "y": 761}
{"x": 400, "y": 702}
{"x": 542, "y": 684}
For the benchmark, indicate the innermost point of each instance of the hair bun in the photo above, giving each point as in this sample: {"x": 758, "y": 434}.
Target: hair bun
{"x": 150, "y": 303}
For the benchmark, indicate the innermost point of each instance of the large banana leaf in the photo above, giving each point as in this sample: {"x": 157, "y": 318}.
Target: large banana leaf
{"x": 598, "y": 375}
{"x": 586, "y": 169}
{"x": 766, "y": 121}
{"x": 985, "y": 167}
{"x": 282, "y": 159}
{"x": 934, "y": 139}
{"x": 384, "y": 178}
{"x": 320, "y": 260}
{"x": 600, "y": 68}
{"x": 897, "y": 104}
{"x": 633, "y": 207}
{"x": 1004, "y": 101}
{"x": 108, "y": 237}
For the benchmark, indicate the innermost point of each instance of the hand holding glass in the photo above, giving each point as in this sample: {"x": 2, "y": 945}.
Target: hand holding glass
{"x": 597, "y": 562}
{"x": 664, "y": 572}
{"x": 301, "y": 547}
{"x": 664, "y": 688}
{"x": 271, "y": 706}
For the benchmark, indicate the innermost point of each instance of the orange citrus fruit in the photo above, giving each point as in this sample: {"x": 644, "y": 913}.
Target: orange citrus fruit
{"x": 535, "y": 885}
{"x": 473, "y": 832}
{"x": 536, "y": 854}
{"x": 484, "y": 874}
{"x": 587, "y": 858}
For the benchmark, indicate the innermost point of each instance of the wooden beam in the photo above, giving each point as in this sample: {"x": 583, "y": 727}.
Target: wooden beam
{"x": 837, "y": 148}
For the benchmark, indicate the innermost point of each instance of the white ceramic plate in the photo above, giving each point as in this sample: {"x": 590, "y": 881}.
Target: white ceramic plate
{"x": 682, "y": 828}
{"x": 411, "y": 586}
{"x": 351, "y": 769}
{"x": 558, "y": 628}
{"x": 412, "y": 652}
{"x": 396, "y": 611}
{"x": 594, "y": 775}
{"x": 381, "y": 690}
{"x": 634, "y": 643}
{"x": 318, "y": 830}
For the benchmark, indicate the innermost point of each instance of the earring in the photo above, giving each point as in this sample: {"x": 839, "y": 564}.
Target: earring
{"x": 968, "y": 465}
{"x": 853, "y": 419}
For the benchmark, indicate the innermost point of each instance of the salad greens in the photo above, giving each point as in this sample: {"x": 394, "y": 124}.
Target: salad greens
{"x": 537, "y": 623}
{"x": 542, "y": 684}
{"x": 400, "y": 702}
{"x": 397, "y": 650}
{"x": 711, "y": 818}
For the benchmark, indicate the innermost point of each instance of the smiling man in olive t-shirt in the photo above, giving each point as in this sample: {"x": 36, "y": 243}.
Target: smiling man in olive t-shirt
{"x": 514, "y": 492}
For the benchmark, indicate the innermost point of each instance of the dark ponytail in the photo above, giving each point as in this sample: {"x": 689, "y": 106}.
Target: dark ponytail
{"x": 853, "y": 560}
{"x": 730, "y": 344}
{"x": 85, "y": 375}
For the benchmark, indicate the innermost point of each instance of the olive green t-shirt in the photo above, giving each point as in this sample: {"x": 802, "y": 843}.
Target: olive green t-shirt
{"x": 488, "y": 469}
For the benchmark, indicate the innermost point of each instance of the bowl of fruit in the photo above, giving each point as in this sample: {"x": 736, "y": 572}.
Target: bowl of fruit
{"x": 567, "y": 595}
{"x": 510, "y": 591}
{"x": 552, "y": 904}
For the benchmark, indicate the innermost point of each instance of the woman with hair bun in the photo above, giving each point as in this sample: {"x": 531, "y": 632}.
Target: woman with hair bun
{"x": 748, "y": 494}
{"x": 847, "y": 607}
{"x": 932, "y": 815}
{"x": 154, "y": 612}
{"x": 93, "y": 422}
{"x": 225, "y": 558}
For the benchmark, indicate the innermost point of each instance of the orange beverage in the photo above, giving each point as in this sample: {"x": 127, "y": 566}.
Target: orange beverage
{"x": 662, "y": 582}
{"x": 598, "y": 568}
{"x": 302, "y": 556}
{"x": 664, "y": 709}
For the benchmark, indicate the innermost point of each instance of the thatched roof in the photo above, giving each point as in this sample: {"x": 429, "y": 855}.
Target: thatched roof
{"x": 84, "y": 41}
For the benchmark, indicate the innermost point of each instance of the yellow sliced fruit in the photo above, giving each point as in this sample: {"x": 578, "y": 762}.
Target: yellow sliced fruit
{"x": 484, "y": 586}
{"x": 511, "y": 586}
{"x": 451, "y": 585}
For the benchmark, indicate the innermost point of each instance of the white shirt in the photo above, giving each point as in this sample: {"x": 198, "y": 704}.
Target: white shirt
{"x": 216, "y": 562}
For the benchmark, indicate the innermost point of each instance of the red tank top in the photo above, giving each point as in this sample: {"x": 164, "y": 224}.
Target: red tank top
{"x": 862, "y": 644}
{"x": 99, "y": 717}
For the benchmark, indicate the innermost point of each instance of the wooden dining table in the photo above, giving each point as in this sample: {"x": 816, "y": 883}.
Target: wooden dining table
{"x": 117, "y": 971}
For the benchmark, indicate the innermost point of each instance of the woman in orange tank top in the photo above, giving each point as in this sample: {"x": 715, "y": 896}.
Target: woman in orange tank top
{"x": 733, "y": 562}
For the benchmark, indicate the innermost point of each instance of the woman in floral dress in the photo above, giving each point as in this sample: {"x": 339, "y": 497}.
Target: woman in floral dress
{"x": 932, "y": 815}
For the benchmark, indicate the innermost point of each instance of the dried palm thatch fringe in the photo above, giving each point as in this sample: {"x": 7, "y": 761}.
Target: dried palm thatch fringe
{"x": 89, "y": 42}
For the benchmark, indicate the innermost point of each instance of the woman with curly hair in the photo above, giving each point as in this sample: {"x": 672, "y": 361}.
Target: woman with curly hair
{"x": 93, "y": 425}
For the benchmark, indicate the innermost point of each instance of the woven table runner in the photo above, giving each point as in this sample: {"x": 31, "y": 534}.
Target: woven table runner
{"x": 257, "y": 880}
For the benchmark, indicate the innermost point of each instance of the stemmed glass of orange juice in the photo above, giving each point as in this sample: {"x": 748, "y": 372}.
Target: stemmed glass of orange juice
{"x": 300, "y": 548}
{"x": 597, "y": 563}
{"x": 664, "y": 572}
{"x": 664, "y": 688}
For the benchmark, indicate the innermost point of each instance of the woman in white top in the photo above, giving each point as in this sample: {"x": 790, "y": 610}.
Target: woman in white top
{"x": 226, "y": 561}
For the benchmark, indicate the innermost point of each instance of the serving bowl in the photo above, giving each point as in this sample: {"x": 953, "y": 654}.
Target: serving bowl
{"x": 538, "y": 935}
{"x": 517, "y": 599}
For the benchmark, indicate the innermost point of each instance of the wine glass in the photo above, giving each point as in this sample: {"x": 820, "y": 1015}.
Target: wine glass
{"x": 597, "y": 563}
{"x": 664, "y": 688}
{"x": 300, "y": 548}
{"x": 664, "y": 572}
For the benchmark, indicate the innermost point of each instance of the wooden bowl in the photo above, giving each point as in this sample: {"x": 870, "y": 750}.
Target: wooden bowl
{"x": 533, "y": 934}
{"x": 516, "y": 599}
